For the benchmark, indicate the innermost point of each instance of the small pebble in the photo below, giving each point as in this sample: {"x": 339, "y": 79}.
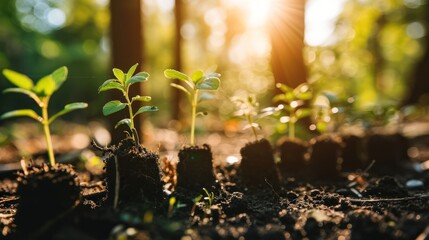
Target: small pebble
{"x": 414, "y": 183}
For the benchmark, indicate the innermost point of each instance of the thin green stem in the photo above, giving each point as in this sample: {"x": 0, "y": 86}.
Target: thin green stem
{"x": 194, "y": 115}
{"x": 130, "y": 111}
{"x": 250, "y": 121}
{"x": 47, "y": 132}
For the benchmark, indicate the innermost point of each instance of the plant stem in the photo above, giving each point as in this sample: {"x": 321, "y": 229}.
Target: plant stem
{"x": 117, "y": 179}
{"x": 292, "y": 130}
{"x": 130, "y": 111}
{"x": 249, "y": 119}
{"x": 194, "y": 115}
{"x": 47, "y": 132}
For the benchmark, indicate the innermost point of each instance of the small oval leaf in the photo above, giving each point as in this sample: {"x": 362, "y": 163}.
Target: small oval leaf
{"x": 174, "y": 74}
{"x": 68, "y": 108}
{"x": 146, "y": 109}
{"x": 110, "y": 84}
{"x": 141, "y": 98}
{"x": 139, "y": 77}
{"x": 59, "y": 76}
{"x": 208, "y": 84}
{"x": 131, "y": 71}
{"x": 197, "y": 75}
{"x": 22, "y": 113}
{"x": 112, "y": 107}
{"x": 119, "y": 74}
{"x": 125, "y": 121}
{"x": 45, "y": 86}
{"x": 18, "y": 79}
{"x": 26, "y": 92}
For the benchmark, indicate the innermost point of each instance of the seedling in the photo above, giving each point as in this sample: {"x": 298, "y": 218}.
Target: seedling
{"x": 248, "y": 109}
{"x": 123, "y": 83}
{"x": 294, "y": 99}
{"x": 209, "y": 198}
{"x": 192, "y": 85}
{"x": 41, "y": 93}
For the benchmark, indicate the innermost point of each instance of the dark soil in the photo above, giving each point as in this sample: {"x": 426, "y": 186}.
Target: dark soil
{"x": 195, "y": 167}
{"x": 138, "y": 170}
{"x": 355, "y": 206}
{"x": 292, "y": 155}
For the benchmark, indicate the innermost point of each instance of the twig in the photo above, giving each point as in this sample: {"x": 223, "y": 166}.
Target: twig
{"x": 353, "y": 200}
{"x": 10, "y": 199}
{"x": 272, "y": 188}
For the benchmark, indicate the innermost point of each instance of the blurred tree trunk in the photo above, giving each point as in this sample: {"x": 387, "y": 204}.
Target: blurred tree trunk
{"x": 419, "y": 89}
{"x": 287, "y": 42}
{"x": 127, "y": 50}
{"x": 176, "y": 95}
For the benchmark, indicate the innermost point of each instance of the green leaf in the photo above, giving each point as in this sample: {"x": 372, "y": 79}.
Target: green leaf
{"x": 22, "y": 113}
{"x": 146, "y": 109}
{"x": 139, "y": 77}
{"x": 322, "y": 127}
{"x": 173, "y": 74}
{"x": 68, "y": 108}
{"x": 125, "y": 121}
{"x": 141, "y": 98}
{"x": 110, "y": 84}
{"x": 59, "y": 76}
{"x": 181, "y": 88}
{"x": 118, "y": 74}
{"x": 208, "y": 84}
{"x": 197, "y": 75}
{"x": 284, "y": 88}
{"x": 303, "y": 112}
{"x": 45, "y": 86}
{"x": 18, "y": 79}
{"x": 112, "y": 107}
{"x": 131, "y": 71}
{"x": 26, "y": 92}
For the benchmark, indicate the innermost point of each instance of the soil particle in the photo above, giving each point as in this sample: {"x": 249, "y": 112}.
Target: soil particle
{"x": 235, "y": 204}
{"x": 331, "y": 200}
{"x": 387, "y": 187}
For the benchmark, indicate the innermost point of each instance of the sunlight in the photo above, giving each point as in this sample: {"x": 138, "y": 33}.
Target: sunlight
{"x": 258, "y": 12}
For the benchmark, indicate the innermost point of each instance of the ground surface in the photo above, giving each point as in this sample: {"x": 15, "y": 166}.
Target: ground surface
{"x": 350, "y": 206}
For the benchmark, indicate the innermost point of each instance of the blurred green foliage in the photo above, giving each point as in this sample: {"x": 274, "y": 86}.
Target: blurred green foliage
{"x": 38, "y": 36}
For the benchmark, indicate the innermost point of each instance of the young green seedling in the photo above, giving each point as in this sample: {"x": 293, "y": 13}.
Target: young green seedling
{"x": 122, "y": 83}
{"x": 294, "y": 99}
{"x": 248, "y": 108}
{"x": 41, "y": 93}
{"x": 192, "y": 85}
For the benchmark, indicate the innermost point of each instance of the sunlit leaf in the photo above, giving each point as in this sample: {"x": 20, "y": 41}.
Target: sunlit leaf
{"x": 131, "y": 71}
{"x": 181, "y": 88}
{"x": 303, "y": 112}
{"x": 22, "y": 113}
{"x": 45, "y": 86}
{"x": 197, "y": 75}
{"x": 174, "y": 74}
{"x": 119, "y": 74}
{"x": 26, "y": 92}
{"x": 68, "y": 108}
{"x": 125, "y": 121}
{"x": 141, "y": 98}
{"x": 18, "y": 79}
{"x": 321, "y": 127}
{"x": 208, "y": 84}
{"x": 112, "y": 107}
{"x": 139, "y": 77}
{"x": 110, "y": 84}
{"x": 59, "y": 76}
{"x": 146, "y": 109}
{"x": 253, "y": 125}
{"x": 284, "y": 88}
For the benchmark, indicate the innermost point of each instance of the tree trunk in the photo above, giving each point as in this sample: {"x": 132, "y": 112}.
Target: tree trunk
{"x": 127, "y": 50}
{"x": 419, "y": 90}
{"x": 287, "y": 43}
{"x": 176, "y": 95}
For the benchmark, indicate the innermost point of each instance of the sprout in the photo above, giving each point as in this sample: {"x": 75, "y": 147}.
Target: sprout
{"x": 191, "y": 86}
{"x": 41, "y": 93}
{"x": 294, "y": 100}
{"x": 122, "y": 83}
{"x": 248, "y": 108}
